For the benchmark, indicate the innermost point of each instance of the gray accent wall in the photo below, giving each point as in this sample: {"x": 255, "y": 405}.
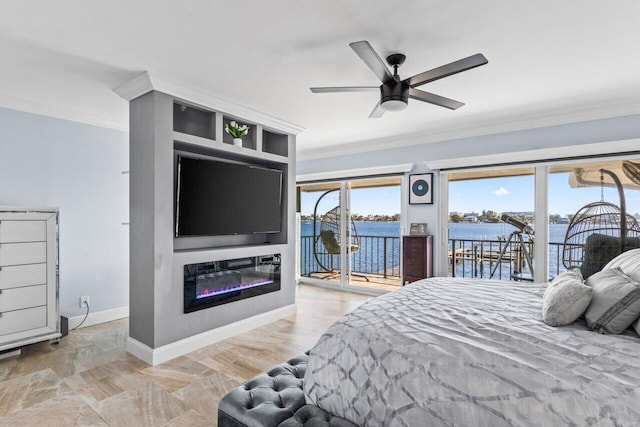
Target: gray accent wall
{"x": 79, "y": 168}
{"x": 157, "y": 315}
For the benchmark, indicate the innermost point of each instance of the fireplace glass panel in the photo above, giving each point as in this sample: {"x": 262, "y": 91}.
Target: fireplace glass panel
{"x": 213, "y": 283}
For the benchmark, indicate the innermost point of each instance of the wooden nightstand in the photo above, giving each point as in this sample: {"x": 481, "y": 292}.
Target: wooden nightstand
{"x": 417, "y": 258}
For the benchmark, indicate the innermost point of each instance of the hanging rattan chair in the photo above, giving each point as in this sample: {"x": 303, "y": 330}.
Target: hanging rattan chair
{"x": 599, "y": 232}
{"x": 328, "y": 241}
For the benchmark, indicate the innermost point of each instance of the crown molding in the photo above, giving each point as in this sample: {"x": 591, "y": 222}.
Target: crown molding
{"x": 58, "y": 112}
{"x": 147, "y": 82}
{"x": 483, "y": 125}
{"x": 135, "y": 87}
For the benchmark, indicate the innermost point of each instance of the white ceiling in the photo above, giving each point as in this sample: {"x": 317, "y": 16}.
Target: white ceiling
{"x": 549, "y": 61}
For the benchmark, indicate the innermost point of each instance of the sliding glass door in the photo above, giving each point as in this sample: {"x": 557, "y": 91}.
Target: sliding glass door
{"x": 320, "y": 232}
{"x": 505, "y": 223}
{"x": 350, "y": 233}
{"x": 490, "y": 224}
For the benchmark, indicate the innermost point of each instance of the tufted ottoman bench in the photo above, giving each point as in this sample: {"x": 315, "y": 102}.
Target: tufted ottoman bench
{"x": 275, "y": 399}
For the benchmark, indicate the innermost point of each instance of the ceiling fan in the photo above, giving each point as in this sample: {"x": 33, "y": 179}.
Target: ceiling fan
{"x": 395, "y": 93}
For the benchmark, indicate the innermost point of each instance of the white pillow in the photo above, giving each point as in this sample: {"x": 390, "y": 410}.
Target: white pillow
{"x": 565, "y": 299}
{"x": 628, "y": 262}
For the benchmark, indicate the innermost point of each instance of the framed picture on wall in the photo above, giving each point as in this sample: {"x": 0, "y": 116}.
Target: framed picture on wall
{"x": 418, "y": 229}
{"x": 421, "y": 189}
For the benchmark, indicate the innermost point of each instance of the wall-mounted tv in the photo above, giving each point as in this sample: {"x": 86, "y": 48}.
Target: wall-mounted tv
{"x": 220, "y": 198}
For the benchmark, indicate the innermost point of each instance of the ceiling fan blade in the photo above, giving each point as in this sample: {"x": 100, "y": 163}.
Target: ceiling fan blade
{"x": 434, "y": 99}
{"x": 373, "y": 61}
{"x": 345, "y": 89}
{"x": 455, "y": 67}
{"x": 377, "y": 112}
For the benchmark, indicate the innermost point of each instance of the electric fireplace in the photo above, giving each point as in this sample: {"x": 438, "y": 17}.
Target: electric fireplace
{"x": 208, "y": 284}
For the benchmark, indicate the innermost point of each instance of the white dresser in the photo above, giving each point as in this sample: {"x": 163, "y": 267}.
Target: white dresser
{"x": 29, "y": 310}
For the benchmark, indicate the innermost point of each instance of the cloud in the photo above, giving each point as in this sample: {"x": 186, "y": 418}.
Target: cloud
{"x": 500, "y": 192}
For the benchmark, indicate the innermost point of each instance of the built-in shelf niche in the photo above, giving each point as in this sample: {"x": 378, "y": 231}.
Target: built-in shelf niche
{"x": 248, "y": 141}
{"x": 194, "y": 121}
{"x": 275, "y": 143}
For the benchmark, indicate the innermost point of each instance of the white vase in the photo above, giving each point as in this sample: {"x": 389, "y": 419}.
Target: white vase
{"x": 237, "y": 142}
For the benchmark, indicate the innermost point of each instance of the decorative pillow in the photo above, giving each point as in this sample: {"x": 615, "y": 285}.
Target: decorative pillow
{"x": 565, "y": 299}
{"x": 615, "y": 303}
{"x": 636, "y": 326}
{"x": 629, "y": 262}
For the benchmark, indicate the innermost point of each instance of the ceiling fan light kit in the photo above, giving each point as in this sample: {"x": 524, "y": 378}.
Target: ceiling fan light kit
{"x": 395, "y": 93}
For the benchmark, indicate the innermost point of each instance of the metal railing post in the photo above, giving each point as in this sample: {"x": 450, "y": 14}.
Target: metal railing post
{"x": 384, "y": 259}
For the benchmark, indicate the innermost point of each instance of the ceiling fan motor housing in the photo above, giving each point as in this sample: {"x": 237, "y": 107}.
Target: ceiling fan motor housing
{"x": 394, "y": 91}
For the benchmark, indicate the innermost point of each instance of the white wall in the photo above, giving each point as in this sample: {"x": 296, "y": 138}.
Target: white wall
{"x": 78, "y": 168}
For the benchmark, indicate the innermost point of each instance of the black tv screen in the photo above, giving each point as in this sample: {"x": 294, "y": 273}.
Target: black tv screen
{"x": 217, "y": 198}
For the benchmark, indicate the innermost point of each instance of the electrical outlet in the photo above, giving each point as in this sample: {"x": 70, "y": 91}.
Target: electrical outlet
{"x": 84, "y": 299}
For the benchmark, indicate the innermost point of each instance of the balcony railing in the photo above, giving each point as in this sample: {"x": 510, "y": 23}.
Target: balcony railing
{"x": 380, "y": 256}
{"x": 377, "y": 255}
{"x": 479, "y": 258}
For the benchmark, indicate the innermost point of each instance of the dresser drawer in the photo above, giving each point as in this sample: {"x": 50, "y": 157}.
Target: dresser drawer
{"x": 22, "y": 231}
{"x": 25, "y": 297}
{"x": 415, "y": 245}
{"x": 15, "y": 276}
{"x": 415, "y": 271}
{"x": 23, "y": 320}
{"x": 22, "y": 253}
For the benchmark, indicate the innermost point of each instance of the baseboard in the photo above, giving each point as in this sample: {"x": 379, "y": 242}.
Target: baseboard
{"x": 99, "y": 317}
{"x": 155, "y": 356}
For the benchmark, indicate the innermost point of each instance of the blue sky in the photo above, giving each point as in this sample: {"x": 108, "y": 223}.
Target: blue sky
{"x": 498, "y": 194}
{"x": 516, "y": 194}
{"x": 364, "y": 201}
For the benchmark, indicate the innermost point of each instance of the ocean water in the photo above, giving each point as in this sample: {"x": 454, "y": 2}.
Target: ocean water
{"x": 379, "y": 249}
{"x": 364, "y": 228}
{"x": 493, "y": 231}
{"x": 478, "y": 231}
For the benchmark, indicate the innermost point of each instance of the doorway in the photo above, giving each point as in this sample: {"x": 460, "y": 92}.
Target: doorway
{"x": 350, "y": 233}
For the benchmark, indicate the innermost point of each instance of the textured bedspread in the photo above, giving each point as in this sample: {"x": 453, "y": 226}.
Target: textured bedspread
{"x": 456, "y": 352}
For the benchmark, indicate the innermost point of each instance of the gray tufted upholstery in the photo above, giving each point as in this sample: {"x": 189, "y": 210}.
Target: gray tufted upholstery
{"x": 275, "y": 399}
{"x": 312, "y": 416}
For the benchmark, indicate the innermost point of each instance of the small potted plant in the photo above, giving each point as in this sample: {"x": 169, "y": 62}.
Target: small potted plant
{"x": 237, "y": 131}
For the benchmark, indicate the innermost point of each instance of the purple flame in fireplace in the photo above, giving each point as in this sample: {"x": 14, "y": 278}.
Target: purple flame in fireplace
{"x": 209, "y": 292}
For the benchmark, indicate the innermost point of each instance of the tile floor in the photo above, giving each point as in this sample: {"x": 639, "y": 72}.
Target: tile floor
{"x": 90, "y": 380}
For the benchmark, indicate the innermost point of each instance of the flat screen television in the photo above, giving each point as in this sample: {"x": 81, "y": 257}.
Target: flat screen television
{"x": 219, "y": 198}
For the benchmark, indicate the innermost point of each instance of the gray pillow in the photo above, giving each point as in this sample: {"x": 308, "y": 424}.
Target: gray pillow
{"x": 615, "y": 304}
{"x": 565, "y": 299}
{"x": 636, "y": 326}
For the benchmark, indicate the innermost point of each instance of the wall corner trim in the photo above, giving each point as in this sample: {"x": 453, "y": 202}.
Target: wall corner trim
{"x": 155, "y": 356}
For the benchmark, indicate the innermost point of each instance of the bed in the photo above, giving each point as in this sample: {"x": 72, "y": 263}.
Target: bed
{"x": 446, "y": 351}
